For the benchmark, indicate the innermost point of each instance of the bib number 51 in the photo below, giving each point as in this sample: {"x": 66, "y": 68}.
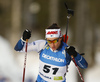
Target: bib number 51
{"x": 46, "y": 69}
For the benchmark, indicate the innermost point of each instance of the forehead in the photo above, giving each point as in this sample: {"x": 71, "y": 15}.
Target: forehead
{"x": 52, "y": 38}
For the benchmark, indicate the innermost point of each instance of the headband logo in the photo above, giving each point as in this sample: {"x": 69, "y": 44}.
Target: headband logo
{"x": 52, "y": 32}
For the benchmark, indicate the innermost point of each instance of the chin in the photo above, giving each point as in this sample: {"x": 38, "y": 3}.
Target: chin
{"x": 53, "y": 48}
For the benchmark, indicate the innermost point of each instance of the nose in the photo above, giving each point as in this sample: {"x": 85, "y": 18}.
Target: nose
{"x": 52, "y": 44}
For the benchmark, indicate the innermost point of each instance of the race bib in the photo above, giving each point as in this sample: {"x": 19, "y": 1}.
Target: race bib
{"x": 52, "y": 73}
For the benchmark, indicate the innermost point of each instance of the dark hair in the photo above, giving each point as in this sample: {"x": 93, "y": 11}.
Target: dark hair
{"x": 53, "y": 26}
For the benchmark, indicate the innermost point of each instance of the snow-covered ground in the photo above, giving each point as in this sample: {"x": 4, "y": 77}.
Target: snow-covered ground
{"x": 93, "y": 74}
{"x": 11, "y": 66}
{"x": 8, "y": 66}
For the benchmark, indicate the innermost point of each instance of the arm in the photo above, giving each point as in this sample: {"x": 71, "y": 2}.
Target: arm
{"x": 21, "y": 43}
{"x": 81, "y": 62}
{"x": 19, "y": 46}
{"x": 34, "y": 46}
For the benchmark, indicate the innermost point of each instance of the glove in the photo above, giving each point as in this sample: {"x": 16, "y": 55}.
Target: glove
{"x": 26, "y": 34}
{"x": 71, "y": 51}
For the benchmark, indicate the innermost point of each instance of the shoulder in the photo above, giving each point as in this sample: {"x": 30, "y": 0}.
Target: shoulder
{"x": 40, "y": 41}
{"x": 40, "y": 44}
{"x": 64, "y": 44}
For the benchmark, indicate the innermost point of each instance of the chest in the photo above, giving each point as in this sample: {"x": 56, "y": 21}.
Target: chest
{"x": 53, "y": 58}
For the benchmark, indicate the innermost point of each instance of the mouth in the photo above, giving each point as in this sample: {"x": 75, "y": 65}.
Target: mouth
{"x": 53, "y": 48}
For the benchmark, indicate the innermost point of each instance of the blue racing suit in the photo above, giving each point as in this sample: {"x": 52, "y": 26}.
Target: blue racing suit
{"x": 52, "y": 64}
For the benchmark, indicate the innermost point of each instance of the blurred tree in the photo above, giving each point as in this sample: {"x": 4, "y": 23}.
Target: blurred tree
{"x": 82, "y": 18}
{"x": 43, "y": 16}
{"x": 15, "y": 21}
{"x": 28, "y": 18}
{"x": 53, "y": 16}
{"x": 5, "y": 17}
{"x": 95, "y": 20}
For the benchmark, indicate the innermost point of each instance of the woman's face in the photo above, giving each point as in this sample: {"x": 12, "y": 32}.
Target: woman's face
{"x": 54, "y": 43}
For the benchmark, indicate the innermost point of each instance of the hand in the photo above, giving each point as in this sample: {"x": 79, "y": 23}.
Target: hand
{"x": 71, "y": 51}
{"x": 26, "y": 34}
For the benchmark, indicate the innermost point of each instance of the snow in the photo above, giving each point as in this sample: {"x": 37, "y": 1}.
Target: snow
{"x": 32, "y": 63}
{"x": 11, "y": 66}
{"x": 93, "y": 74}
{"x": 8, "y": 65}
{"x": 72, "y": 73}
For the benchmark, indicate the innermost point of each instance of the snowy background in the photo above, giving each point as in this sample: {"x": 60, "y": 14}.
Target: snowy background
{"x": 11, "y": 66}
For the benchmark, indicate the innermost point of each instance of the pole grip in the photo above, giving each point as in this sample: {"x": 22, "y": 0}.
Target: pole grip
{"x": 26, "y": 40}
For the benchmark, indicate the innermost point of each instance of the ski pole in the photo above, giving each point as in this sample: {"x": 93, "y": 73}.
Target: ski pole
{"x": 77, "y": 68}
{"x": 25, "y": 60}
{"x": 71, "y": 12}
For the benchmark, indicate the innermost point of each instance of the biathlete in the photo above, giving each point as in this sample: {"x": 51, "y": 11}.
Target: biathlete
{"x": 54, "y": 54}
